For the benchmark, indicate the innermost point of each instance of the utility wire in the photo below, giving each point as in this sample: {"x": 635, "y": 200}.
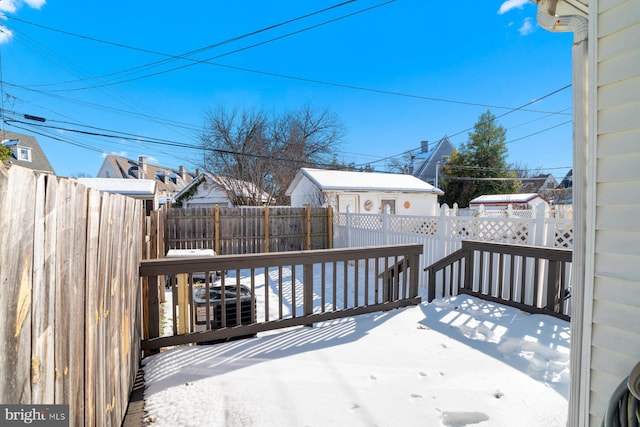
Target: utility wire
{"x": 203, "y": 61}
{"x": 485, "y": 122}
{"x": 174, "y": 57}
{"x": 267, "y": 73}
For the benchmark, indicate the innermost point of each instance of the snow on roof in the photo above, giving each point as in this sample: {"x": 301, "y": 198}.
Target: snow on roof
{"x": 332, "y": 180}
{"x": 504, "y": 198}
{"x": 121, "y": 185}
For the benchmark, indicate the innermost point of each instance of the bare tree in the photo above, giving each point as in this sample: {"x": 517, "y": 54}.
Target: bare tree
{"x": 257, "y": 154}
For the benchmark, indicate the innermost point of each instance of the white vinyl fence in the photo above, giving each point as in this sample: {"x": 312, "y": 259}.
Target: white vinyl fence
{"x": 442, "y": 234}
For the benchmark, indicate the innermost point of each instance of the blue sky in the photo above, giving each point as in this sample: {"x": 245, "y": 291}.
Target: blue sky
{"x": 395, "y": 72}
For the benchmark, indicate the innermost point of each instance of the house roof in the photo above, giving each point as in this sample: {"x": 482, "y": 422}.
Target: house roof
{"x": 535, "y": 183}
{"x": 334, "y": 180}
{"x": 567, "y": 181}
{"x": 505, "y": 198}
{"x": 167, "y": 178}
{"x": 229, "y": 185}
{"x": 127, "y": 187}
{"x": 39, "y": 161}
{"x": 425, "y": 162}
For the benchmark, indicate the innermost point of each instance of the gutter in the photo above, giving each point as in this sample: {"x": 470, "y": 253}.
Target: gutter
{"x": 573, "y": 16}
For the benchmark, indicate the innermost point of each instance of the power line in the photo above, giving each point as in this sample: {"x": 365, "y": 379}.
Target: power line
{"x": 157, "y": 141}
{"x": 203, "y": 61}
{"x": 183, "y": 55}
{"x": 267, "y": 73}
{"x": 497, "y": 169}
{"x": 540, "y": 131}
{"x": 495, "y": 118}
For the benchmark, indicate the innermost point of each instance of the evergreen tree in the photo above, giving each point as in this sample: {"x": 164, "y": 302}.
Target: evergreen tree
{"x": 479, "y": 166}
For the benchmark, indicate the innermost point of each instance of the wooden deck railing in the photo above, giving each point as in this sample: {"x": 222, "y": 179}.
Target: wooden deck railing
{"x": 275, "y": 290}
{"x": 533, "y": 279}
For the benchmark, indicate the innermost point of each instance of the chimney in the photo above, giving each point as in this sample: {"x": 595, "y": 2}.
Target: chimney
{"x": 424, "y": 146}
{"x": 183, "y": 173}
{"x": 143, "y": 163}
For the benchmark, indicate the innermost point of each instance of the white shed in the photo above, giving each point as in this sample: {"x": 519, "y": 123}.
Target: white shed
{"x": 363, "y": 192}
{"x": 502, "y": 201}
{"x": 208, "y": 190}
{"x": 141, "y": 189}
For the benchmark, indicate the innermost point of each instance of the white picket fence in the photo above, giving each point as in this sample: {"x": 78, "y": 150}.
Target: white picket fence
{"x": 442, "y": 234}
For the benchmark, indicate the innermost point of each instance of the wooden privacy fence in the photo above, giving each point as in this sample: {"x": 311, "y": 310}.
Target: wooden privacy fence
{"x": 245, "y": 230}
{"x": 260, "y": 292}
{"x": 533, "y": 279}
{"x": 69, "y": 305}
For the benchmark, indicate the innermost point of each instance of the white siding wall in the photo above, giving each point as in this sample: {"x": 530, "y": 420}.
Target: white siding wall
{"x": 208, "y": 195}
{"x": 305, "y": 192}
{"x": 615, "y": 335}
{"x": 419, "y": 203}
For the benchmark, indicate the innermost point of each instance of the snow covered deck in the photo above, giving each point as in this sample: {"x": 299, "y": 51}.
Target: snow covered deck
{"x": 454, "y": 362}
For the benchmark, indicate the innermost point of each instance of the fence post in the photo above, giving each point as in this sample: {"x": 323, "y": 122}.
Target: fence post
{"x": 307, "y": 243}
{"x": 442, "y": 232}
{"x": 385, "y": 223}
{"x": 539, "y": 232}
{"x": 216, "y": 219}
{"x": 330, "y": 227}
{"x": 266, "y": 229}
{"x": 348, "y": 226}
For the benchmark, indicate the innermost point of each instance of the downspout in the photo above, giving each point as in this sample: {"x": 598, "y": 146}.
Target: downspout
{"x": 576, "y": 21}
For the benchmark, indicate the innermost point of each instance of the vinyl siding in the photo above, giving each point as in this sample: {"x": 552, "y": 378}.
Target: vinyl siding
{"x": 615, "y": 337}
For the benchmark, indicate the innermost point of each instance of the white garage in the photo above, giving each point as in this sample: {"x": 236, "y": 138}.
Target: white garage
{"x": 363, "y": 192}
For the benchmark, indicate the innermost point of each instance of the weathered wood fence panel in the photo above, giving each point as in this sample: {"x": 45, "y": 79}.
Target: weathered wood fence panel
{"x": 69, "y": 306}
{"x": 246, "y": 230}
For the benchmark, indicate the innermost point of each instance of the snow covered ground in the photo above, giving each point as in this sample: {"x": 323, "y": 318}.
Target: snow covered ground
{"x": 456, "y": 362}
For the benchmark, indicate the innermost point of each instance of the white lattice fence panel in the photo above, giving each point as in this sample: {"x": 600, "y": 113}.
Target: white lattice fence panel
{"x": 489, "y": 231}
{"x": 561, "y": 234}
{"x": 413, "y": 224}
{"x": 369, "y": 222}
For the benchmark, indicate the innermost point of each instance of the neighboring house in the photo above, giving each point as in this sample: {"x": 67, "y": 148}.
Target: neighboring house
{"x": 563, "y": 194}
{"x": 539, "y": 183}
{"x": 363, "y": 192}
{"x": 605, "y": 318}
{"x": 26, "y": 152}
{"x": 207, "y": 191}
{"x": 141, "y": 189}
{"x": 170, "y": 181}
{"x": 567, "y": 181}
{"x": 502, "y": 201}
{"x": 426, "y": 164}
{"x": 543, "y": 184}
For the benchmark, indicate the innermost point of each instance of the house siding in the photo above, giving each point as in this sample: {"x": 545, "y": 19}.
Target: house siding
{"x": 614, "y": 341}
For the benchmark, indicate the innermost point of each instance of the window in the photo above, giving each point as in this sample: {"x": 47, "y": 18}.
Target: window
{"x": 388, "y": 202}
{"x": 24, "y": 154}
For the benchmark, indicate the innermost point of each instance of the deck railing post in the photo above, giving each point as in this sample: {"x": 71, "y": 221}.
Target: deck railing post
{"x": 307, "y": 277}
{"x": 153, "y": 308}
{"x": 553, "y": 286}
{"x": 469, "y": 262}
{"x": 414, "y": 277}
{"x": 431, "y": 290}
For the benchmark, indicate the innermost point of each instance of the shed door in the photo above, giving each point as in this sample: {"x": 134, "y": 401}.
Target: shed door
{"x": 388, "y": 202}
{"x": 350, "y": 200}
